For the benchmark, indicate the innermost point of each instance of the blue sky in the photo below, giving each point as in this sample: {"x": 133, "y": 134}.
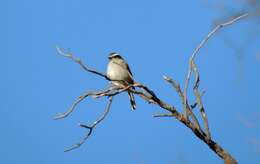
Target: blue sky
{"x": 156, "y": 38}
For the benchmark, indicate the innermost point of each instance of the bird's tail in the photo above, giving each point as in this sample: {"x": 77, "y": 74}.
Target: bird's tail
{"x": 132, "y": 100}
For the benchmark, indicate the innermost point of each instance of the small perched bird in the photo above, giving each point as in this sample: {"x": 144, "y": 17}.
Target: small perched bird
{"x": 118, "y": 70}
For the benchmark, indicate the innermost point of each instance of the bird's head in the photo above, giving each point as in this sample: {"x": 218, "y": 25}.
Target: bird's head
{"x": 114, "y": 55}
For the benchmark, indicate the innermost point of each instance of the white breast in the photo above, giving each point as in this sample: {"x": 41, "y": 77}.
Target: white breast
{"x": 116, "y": 72}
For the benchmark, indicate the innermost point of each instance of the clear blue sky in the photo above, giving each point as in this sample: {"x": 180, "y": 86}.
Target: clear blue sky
{"x": 156, "y": 38}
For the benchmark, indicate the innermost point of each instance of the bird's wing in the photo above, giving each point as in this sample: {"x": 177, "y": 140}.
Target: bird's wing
{"x": 130, "y": 73}
{"x": 126, "y": 66}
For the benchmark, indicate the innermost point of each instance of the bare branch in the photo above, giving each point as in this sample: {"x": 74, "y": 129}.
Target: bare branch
{"x": 145, "y": 88}
{"x": 71, "y": 109}
{"x": 203, "y": 42}
{"x": 91, "y": 127}
{"x": 217, "y": 28}
{"x": 176, "y": 86}
{"x": 199, "y": 101}
{"x": 184, "y": 104}
{"x": 163, "y": 115}
{"x": 79, "y": 99}
{"x": 77, "y": 60}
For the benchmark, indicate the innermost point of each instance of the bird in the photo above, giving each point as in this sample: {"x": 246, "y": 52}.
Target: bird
{"x": 118, "y": 71}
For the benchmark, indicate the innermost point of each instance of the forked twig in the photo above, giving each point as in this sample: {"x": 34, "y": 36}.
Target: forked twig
{"x": 179, "y": 91}
{"x": 202, "y": 43}
{"x": 206, "y": 137}
{"x": 79, "y": 99}
{"x": 71, "y": 109}
{"x": 91, "y": 127}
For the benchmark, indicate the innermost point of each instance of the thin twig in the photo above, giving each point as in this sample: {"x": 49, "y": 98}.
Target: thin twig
{"x": 202, "y": 43}
{"x": 79, "y": 99}
{"x": 77, "y": 60}
{"x": 91, "y": 127}
{"x": 71, "y": 109}
{"x": 199, "y": 101}
{"x": 179, "y": 91}
{"x": 218, "y": 27}
{"x": 193, "y": 106}
{"x": 163, "y": 115}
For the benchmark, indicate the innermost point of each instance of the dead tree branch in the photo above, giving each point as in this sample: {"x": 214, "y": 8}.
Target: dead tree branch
{"x": 184, "y": 104}
{"x": 91, "y": 127}
{"x": 148, "y": 95}
{"x": 77, "y": 60}
{"x": 199, "y": 101}
{"x": 82, "y": 97}
{"x": 202, "y": 43}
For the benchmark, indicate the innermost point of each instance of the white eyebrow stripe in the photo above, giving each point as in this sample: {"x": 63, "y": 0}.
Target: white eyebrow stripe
{"x": 113, "y": 55}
